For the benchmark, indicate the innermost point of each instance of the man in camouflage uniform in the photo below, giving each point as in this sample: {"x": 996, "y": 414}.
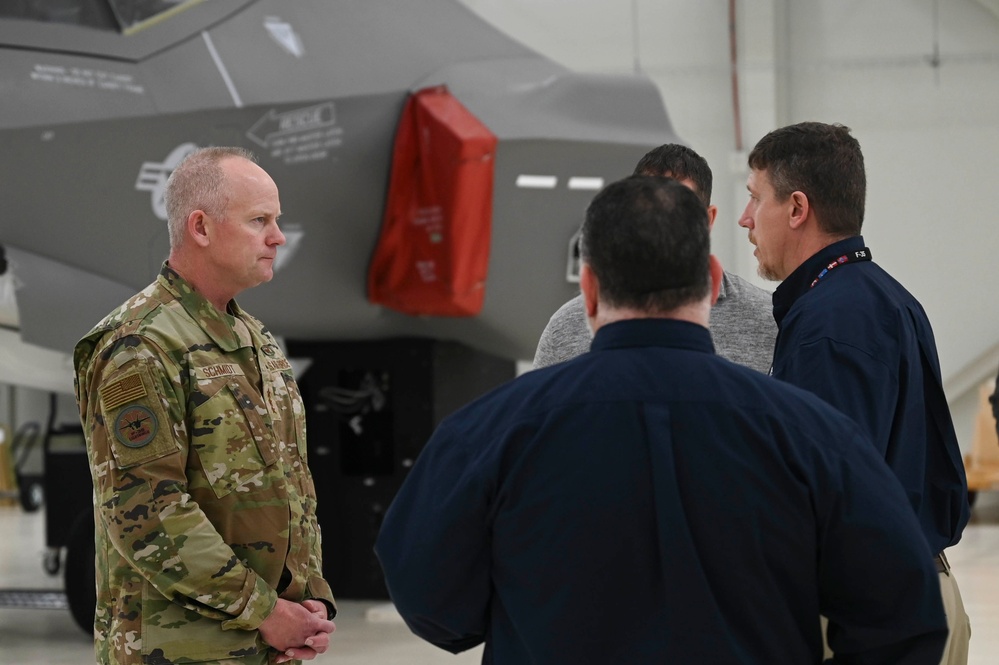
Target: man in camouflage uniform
{"x": 208, "y": 548}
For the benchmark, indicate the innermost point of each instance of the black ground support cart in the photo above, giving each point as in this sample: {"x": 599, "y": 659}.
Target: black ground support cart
{"x": 371, "y": 406}
{"x": 69, "y": 520}
{"x": 65, "y": 488}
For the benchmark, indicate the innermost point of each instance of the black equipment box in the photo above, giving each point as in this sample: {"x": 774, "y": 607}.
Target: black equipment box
{"x": 370, "y": 408}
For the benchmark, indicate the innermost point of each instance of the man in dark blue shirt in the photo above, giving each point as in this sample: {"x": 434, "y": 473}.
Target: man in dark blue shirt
{"x": 851, "y": 334}
{"x": 651, "y": 502}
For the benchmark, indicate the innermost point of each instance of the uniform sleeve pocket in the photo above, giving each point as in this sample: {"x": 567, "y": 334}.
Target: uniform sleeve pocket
{"x": 137, "y": 424}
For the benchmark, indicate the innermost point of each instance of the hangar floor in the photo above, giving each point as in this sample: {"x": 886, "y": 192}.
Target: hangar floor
{"x": 370, "y": 633}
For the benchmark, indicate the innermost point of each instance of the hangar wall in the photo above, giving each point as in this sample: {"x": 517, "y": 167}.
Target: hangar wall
{"x": 912, "y": 78}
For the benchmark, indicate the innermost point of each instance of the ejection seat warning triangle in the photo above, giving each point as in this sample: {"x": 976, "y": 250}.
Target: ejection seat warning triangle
{"x": 433, "y": 250}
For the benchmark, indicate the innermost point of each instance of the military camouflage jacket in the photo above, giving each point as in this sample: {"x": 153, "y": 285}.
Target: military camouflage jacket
{"x": 204, "y": 504}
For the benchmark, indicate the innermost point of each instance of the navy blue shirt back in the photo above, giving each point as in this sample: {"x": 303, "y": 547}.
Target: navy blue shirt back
{"x": 650, "y": 502}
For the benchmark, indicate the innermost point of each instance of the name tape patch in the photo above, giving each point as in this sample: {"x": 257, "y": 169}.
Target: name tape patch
{"x": 216, "y": 371}
{"x": 281, "y": 365}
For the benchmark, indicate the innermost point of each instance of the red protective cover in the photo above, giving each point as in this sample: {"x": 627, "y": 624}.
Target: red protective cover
{"x": 433, "y": 250}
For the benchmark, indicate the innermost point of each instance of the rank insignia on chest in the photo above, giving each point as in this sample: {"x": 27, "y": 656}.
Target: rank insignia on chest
{"x": 135, "y": 426}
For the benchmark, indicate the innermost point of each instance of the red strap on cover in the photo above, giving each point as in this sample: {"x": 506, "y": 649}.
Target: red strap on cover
{"x": 433, "y": 250}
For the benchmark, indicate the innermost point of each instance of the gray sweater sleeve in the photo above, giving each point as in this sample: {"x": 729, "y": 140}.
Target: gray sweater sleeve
{"x": 566, "y": 336}
{"x": 742, "y": 324}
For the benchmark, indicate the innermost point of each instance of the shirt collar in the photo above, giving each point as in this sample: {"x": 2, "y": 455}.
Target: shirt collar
{"x": 220, "y": 326}
{"x": 669, "y": 333}
{"x": 799, "y": 282}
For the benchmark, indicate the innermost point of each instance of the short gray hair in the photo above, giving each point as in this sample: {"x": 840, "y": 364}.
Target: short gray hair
{"x": 198, "y": 183}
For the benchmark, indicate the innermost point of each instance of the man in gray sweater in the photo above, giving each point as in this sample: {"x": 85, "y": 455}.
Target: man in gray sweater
{"x": 742, "y": 326}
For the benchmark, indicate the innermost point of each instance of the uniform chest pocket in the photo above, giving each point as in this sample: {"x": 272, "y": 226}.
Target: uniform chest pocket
{"x": 233, "y": 437}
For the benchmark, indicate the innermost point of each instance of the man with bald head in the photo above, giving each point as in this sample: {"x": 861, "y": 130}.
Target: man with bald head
{"x": 208, "y": 548}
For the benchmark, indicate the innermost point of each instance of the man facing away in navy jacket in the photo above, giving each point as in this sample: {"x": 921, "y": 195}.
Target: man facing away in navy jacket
{"x": 651, "y": 502}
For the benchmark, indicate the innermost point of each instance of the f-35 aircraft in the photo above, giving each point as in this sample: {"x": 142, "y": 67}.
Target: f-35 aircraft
{"x": 101, "y": 99}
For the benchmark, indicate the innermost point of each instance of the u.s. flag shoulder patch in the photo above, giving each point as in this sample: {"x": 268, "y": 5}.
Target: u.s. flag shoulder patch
{"x": 128, "y": 388}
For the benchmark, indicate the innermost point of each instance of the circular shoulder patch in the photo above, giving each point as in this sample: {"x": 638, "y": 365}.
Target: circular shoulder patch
{"x": 135, "y": 426}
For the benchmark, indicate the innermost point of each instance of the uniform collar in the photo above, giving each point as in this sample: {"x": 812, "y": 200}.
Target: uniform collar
{"x": 669, "y": 333}
{"x": 220, "y": 326}
{"x": 799, "y": 282}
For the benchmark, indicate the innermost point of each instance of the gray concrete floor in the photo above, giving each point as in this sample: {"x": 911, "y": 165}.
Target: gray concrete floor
{"x": 367, "y": 633}
{"x": 371, "y": 633}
